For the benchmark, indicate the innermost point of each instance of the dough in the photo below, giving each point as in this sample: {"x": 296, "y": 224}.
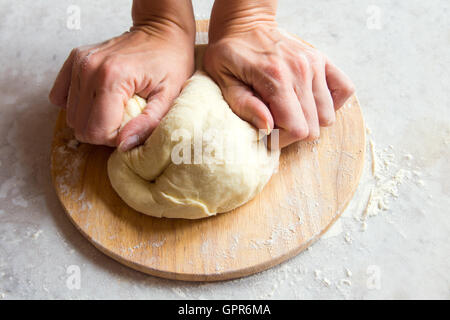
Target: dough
{"x": 202, "y": 159}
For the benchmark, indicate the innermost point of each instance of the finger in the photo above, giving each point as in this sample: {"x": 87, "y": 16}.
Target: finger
{"x": 247, "y": 106}
{"x": 74, "y": 92}
{"x": 306, "y": 98}
{"x": 60, "y": 90}
{"x": 87, "y": 66}
{"x": 322, "y": 98}
{"x": 84, "y": 109}
{"x": 137, "y": 130}
{"x": 288, "y": 116}
{"x": 339, "y": 84}
{"x": 105, "y": 117}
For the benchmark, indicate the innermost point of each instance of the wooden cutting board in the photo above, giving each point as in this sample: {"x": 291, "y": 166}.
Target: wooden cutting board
{"x": 314, "y": 184}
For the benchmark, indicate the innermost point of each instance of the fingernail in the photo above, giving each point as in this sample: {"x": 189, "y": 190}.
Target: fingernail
{"x": 259, "y": 123}
{"x": 268, "y": 128}
{"x": 129, "y": 143}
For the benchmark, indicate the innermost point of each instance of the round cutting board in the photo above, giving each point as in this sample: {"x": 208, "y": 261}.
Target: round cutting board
{"x": 313, "y": 185}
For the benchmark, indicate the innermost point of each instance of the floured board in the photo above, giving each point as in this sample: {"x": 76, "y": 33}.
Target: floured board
{"x": 314, "y": 184}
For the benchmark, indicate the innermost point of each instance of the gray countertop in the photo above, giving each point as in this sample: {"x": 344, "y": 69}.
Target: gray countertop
{"x": 397, "y": 53}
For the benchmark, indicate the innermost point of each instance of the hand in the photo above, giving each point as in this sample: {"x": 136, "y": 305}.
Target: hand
{"x": 96, "y": 82}
{"x": 272, "y": 79}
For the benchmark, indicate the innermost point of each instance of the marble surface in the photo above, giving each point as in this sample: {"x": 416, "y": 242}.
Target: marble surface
{"x": 397, "y": 53}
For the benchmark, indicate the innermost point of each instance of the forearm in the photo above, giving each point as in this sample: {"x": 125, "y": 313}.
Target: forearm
{"x": 228, "y": 16}
{"x": 163, "y": 15}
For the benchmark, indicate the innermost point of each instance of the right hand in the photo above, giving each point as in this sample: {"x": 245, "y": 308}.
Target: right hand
{"x": 269, "y": 78}
{"x": 96, "y": 82}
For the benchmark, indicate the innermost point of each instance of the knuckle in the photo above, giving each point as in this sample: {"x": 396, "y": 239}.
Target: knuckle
{"x": 110, "y": 69}
{"x": 88, "y": 63}
{"x": 274, "y": 69}
{"x": 349, "y": 89}
{"x": 76, "y": 52}
{"x": 225, "y": 47}
{"x": 152, "y": 117}
{"x": 218, "y": 53}
{"x": 79, "y": 136}
{"x": 78, "y": 55}
{"x": 327, "y": 120}
{"x": 313, "y": 136}
{"x": 93, "y": 136}
{"x": 236, "y": 101}
{"x": 299, "y": 132}
{"x": 303, "y": 66}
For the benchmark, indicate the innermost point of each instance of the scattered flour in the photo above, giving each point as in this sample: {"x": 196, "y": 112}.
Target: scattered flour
{"x": 387, "y": 179}
{"x": 37, "y": 234}
{"x": 348, "y": 272}
{"x": 73, "y": 144}
{"x": 348, "y": 238}
{"x": 179, "y": 292}
{"x": 318, "y": 275}
{"x": 20, "y": 201}
{"x": 11, "y": 185}
{"x": 158, "y": 244}
{"x": 144, "y": 245}
{"x": 346, "y": 282}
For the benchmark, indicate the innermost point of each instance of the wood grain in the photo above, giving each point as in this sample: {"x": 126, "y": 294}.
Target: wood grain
{"x": 312, "y": 187}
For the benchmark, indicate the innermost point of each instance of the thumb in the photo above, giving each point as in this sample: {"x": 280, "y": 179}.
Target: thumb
{"x": 137, "y": 130}
{"x": 247, "y": 105}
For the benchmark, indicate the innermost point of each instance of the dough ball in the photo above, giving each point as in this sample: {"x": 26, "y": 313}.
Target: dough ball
{"x": 201, "y": 160}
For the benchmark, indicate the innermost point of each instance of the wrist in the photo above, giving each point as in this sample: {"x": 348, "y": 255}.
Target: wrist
{"x": 164, "y": 17}
{"x": 230, "y": 17}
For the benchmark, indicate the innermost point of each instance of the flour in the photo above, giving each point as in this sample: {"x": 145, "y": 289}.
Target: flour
{"x": 280, "y": 235}
{"x": 20, "y": 201}
{"x": 230, "y": 252}
{"x": 348, "y": 238}
{"x": 11, "y": 186}
{"x": 73, "y": 144}
{"x": 144, "y": 245}
{"x": 205, "y": 247}
{"x": 292, "y": 204}
{"x": 36, "y": 234}
{"x": 69, "y": 164}
{"x": 179, "y": 292}
{"x": 158, "y": 244}
{"x": 345, "y": 282}
{"x": 219, "y": 267}
{"x": 326, "y": 282}
{"x": 348, "y": 272}
{"x": 318, "y": 275}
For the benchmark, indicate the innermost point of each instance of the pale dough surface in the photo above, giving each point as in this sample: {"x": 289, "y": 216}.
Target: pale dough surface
{"x": 232, "y": 167}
